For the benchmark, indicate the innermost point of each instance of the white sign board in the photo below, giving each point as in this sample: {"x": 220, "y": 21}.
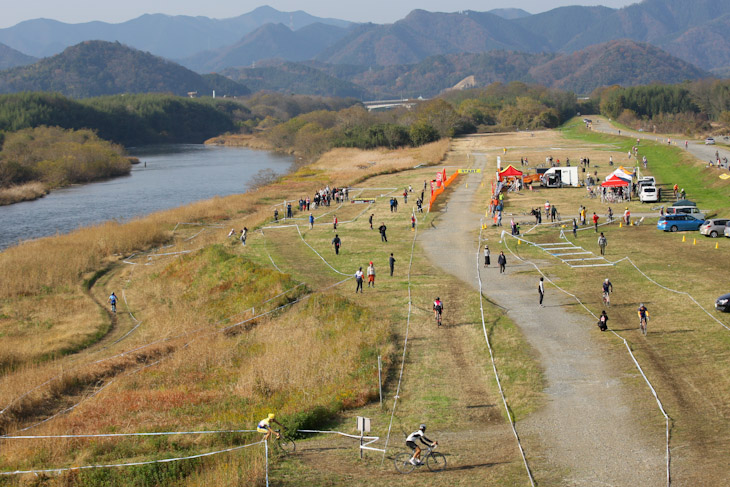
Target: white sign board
{"x": 499, "y": 163}
{"x": 363, "y": 424}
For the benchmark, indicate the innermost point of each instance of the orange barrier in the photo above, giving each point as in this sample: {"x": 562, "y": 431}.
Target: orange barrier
{"x": 440, "y": 190}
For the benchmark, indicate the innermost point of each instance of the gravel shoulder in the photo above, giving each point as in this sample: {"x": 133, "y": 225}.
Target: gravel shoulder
{"x": 588, "y": 433}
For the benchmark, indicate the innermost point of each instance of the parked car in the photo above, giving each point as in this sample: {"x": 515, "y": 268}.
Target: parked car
{"x": 679, "y": 223}
{"x": 686, "y": 210}
{"x": 649, "y": 194}
{"x": 723, "y": 303}
{"x": 727, "y": 231}
{"x": 714, "y": 228}
{"x": 709, "y": 141}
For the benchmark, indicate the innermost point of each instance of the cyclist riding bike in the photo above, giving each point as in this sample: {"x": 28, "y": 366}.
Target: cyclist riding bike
{"x": 438, "y": 308}
{"x": 265, "y": 427}
{"x": 411, "y": 443}
{"x": 113, "y": 300}
{"x": 607, "y": 290}
{"x": 643, "y": 317}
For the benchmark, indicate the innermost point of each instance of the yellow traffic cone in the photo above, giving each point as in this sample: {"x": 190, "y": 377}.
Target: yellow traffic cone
{"x": 620, "y": 224}
{"x": 717, "y": 245}
{"x": 683, "y": 239}
{"x": 694, "y": 241}
{"x": 519, "y": 242}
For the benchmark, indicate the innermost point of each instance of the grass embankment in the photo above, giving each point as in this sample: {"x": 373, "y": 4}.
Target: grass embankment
{"x": 306, "y": 361}
{"x": 685, "y": 354}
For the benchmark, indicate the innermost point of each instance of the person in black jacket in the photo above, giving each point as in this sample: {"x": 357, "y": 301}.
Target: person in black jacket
{"x": 502, "y": 261}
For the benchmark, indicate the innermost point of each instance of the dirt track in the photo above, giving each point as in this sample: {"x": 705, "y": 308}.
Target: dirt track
{"x": 588, "y": 433}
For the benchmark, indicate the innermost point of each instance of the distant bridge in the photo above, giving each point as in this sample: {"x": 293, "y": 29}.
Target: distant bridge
{"x": 389, "y": 104}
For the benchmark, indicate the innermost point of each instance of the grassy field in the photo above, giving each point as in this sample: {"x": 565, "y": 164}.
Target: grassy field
{"x": 208, "y": 335}
{"x": 685, "y": 354}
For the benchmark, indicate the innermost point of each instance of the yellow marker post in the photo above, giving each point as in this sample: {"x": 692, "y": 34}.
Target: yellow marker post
{"x": 620, "y": 224}
{"x": 467, "y": 185}
{"x": 683, "y": 239}
{"x": 694, "y": 241}
{"x": 519, "y": 242}
{"x": 717, "y": 245}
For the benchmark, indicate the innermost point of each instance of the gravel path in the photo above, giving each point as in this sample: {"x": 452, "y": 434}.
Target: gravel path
{"x": 586, "y": 434}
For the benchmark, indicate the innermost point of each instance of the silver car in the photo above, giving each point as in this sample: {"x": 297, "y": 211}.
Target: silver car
{"x": 715, "y": 227}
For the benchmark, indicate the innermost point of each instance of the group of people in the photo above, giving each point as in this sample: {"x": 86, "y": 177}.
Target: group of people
{"x": 370, "y": 273}
{"x": 242, "y": 236}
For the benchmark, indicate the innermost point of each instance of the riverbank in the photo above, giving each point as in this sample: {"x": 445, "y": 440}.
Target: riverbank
{"x": 22, "y": 192}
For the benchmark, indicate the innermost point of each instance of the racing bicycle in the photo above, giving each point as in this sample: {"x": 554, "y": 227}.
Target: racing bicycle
{"x": 435, "y": 461}
{"x": 642, "y": 324}
{"x": 284, "y": 443}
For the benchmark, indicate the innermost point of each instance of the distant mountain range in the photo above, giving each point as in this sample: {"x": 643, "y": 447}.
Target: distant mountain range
{"x": 576, "y": 48}
{"x": 95, "y": 68}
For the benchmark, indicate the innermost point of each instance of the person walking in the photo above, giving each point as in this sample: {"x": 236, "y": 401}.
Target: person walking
{"x": 413, "y": 222}
{"x": 334, "y": 222}
{"x": 602, "y": 243}
{"x": 502, "y": 261}
{"x": 288, "y": 210}
{"x": 382, "y": 228}
{"x": 337, "y": 243}
{"x": 371, "y": 274}
{"x": 627, "y": 216}
{"x": 370, "y": 220}
{"x": 276, "y": 215}
{"x": 311, "y": 221}
{"x": 244, "y": 235}
{"x": 391, "y": 263}
{"x": 595, "y": 222}
{"x": 575, "y": 228}
{"x": 486, "y": 256}
{"x": 541, "y": 290}
{"x": 358, "y": 280}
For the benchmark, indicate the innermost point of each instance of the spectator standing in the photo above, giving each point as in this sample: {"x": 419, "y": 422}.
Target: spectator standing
{"x": 391, "y": 263}
{"x": 413, "y": 222}
{"x": 405, "y": 196}
{"x": 553, "y": 214}
{"x": 334, "y": 222}
{"x": 276, "y": 215}
{"x": 382, "y": 228}
{"x": 541, "y": 290}
{"x": 370, "y": 220}
{"x": 627, "y": 216}
{"x": 602, "y": 242}
{"x": 371, "y": 275}
{"x": 486, "y": 256}
{"x": 358, "y": 280}
{"x": 311, "y": 221}
{"x": 337, "y": 243}
{"x": 575, "y": 228}
{"x": 502, "y": 261}
{"x": 288, "y": 210}
{"x": 244, "y": 235}
{"x": 595, "y": 221}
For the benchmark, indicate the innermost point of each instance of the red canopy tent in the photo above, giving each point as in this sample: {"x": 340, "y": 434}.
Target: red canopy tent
{"x": 510, "y": 172}
{"x": 614, "y": 182}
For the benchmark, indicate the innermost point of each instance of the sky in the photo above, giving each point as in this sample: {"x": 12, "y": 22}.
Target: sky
{"x": 378, "y": 11}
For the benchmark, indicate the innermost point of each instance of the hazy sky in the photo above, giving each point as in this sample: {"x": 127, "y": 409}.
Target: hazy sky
{"x": 379, "y": 11}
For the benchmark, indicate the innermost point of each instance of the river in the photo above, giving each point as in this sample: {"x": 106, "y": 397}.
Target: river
{"x": 174, "y": 175}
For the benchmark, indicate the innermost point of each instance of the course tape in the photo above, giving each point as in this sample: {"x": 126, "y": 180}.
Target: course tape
{"x": 320, "y": 256}
{"x": 118, "y": 435}
{"x": 266, "y": 249}
{"x": 667, "y": 419}
{"x": 496, "y": 373}
{"x": 405, "y": 346}
{"x": 132, "y": 464}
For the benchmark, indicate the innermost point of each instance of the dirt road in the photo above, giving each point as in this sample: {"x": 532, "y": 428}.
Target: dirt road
{"x": 589, "y": 433}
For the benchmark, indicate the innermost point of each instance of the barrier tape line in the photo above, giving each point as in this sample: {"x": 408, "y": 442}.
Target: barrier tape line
{"x": 266, "y": 249}
{"x": 667, "y": 419}
{"x": 405, "y": 345}
{"x": 132, "y": 464}
{"x": 118, "y": 435}
{"x": 494, "y": 368}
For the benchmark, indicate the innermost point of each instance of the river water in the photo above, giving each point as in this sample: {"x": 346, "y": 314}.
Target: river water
{"x": 174, "y": 175}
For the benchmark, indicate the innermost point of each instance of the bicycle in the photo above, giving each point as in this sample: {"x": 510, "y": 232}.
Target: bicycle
{"x": 284, "y": 443}
{"x": 435, "y": 461}
{"x": 642, "y": 324}
{"x": 607, "y": 298}
{"x": 438, "y": 317}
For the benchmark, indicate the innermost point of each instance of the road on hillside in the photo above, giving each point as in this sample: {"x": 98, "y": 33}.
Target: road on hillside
{"x": 698, "y": 149}
{"x": 588, "y": 431}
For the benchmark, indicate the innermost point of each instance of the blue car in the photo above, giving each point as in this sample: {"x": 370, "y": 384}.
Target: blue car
{"x": 679, "y": 223}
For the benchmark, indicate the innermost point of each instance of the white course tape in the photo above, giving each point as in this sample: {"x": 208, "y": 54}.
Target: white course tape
{"x": 628, "y": 348}
{"x": 118, "y": 435}
{"x": 405, "y": 346}
{"x": 268, "y": 254}
{"x": 133, "y": 464}
{"x": 320, "y": 256}
{"x": 494, "y": 368}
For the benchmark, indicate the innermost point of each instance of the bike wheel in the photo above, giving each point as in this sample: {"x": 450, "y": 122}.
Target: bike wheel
{"x": 436, "y": 462}
{"x": 286, "y": 445}
{"x": 403, "y": 463}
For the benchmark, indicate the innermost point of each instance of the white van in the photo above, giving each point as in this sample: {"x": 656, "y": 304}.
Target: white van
{"x": 687, "y": 210}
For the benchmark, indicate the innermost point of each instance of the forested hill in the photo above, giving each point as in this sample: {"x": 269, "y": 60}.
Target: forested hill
{"x": 95, "y": 68}
{"x": 9, "y": 58}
